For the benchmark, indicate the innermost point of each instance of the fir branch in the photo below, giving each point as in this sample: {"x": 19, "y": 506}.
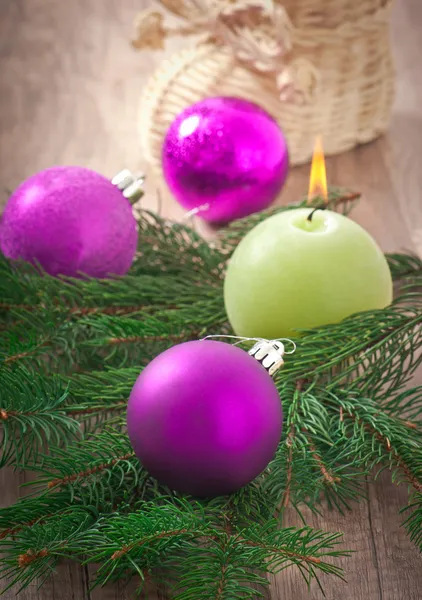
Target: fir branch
{"x": 109, "y": 385}
{"x": 292, "y": 423}
{"x": 187, "y": 267}
{"x": 97, "y": 472}
{"x": 30, "y": 556}
{"x": 342, "y": 395}
{"x": 39, "y": 411}
{"x": 413, "y": 522}
{"x": 158, "y": 534}
{"x": 85, "y": 310}
{"x": 395, "y": 457}
{"x": 377, "y": 348}
{"x": 223, "y": 579}
{"x": 339, "y": 200}
{"x": 137, "y": 339}
{"x": 36, "y": 554}
{"x": 261, "y": 548}
{"x": 289, "y": 545}
{"x": 18, "y": 349}
{"x": 406, "y": 407}
{"x": 16, "y": 285}
{"x": 288, "y": 474}
{"x": 87, "y": 473}
{"x": 96, "y": 398}
{"x": 42, "y": 341}
{"x": 377, "y": 437}
{"x": 95, "y": 410}
{"x": 139, "y": 540}
{"x": 322, "y": 464}
{"x": 67, "y": 344}
{"x": 328, "y": 476}
{"x": 32, "y": 417}
{"x": 404, "y": 265}
{"x": 125, "y": 339}
{"x": 175, "y": 249}
{"x": 98, "y": 469}
{"x": 222, "y": 569}
{"x": 252, "y": 503}
{"x": 29, "y": 511}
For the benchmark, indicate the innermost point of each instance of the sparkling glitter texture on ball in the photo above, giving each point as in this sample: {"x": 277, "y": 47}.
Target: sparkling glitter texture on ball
{"x": 70, "y": 220}
{"x": 226, "y": 155}
{"x": 204, "y": 418}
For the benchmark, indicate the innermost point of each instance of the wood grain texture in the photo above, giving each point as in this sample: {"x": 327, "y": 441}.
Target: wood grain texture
{"x": 69, "y": 94}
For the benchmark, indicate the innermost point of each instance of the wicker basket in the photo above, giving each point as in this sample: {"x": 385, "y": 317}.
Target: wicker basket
{"x": 318, "y": 66}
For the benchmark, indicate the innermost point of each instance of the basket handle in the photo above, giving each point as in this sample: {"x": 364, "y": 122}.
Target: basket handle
{"x": 264, "y": 49}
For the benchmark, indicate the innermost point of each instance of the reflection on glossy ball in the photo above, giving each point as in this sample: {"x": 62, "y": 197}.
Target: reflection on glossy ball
{"x": 226, "y": 156}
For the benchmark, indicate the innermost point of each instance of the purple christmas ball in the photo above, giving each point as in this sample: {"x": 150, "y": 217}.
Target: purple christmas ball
{"x": 226, "y": 157}
{"x": 70, "y": 220}
{"x": 204, "y": 418}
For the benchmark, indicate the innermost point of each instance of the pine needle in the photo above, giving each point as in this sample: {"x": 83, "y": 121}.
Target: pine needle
{"x": 70, "y": 352}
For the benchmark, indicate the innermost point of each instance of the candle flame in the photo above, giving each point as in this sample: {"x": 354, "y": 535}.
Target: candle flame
{"x": 318, "y": 180}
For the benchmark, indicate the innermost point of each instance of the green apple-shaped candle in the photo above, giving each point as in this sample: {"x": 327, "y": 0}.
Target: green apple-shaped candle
{"x": 301, "y": 269}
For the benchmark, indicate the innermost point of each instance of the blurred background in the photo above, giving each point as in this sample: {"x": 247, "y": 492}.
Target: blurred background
{"x": 70, "y": 89}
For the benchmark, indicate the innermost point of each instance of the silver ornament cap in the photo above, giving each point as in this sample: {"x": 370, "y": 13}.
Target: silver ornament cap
{"x": 131, "y": 186}
{"x": 269, "y": 354}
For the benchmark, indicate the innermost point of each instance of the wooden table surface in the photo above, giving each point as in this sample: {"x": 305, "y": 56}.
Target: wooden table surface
{"x": 69, "y": 94}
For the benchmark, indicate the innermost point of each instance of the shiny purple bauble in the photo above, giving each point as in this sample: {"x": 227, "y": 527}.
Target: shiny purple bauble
{"x": 226, "y": 153}
{"x": 204, "y": 418}
{"x": 70, "y": 220}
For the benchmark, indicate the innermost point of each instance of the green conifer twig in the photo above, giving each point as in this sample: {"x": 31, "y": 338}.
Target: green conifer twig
{"x": 346, "y": 412}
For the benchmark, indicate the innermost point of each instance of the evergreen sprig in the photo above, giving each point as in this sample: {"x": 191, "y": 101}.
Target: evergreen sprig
{"x": 101, "y": 468}
{"x": 367, "y": 350}
{"x": 215, "y": 564}
{"x": 32, "y": 416}
{"x": 413, "y": 522}
{"x": 70, "y": 352}
{"x": 35, "y": 554}
{"x": 339, "y": 200}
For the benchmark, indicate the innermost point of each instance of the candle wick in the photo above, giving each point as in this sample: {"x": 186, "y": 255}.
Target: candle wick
{"x": 311, "y": 214}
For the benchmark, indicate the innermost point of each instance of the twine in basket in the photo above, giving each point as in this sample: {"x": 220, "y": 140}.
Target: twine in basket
{"x": 318, "y": 66}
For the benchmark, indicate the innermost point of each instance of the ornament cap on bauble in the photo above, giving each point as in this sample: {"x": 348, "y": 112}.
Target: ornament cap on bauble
{"x": 269, "y": 354}
{"x": 131, "y": 186}
{"x": 204, "y": 418}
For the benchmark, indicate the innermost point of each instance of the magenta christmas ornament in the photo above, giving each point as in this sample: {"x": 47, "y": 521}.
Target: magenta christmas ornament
{"x": 73, "y": 221}
{"x": 205, "y": 417}
{"x": 224, "y": 158}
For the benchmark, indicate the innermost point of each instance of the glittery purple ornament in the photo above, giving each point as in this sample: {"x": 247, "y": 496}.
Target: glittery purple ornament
{"x": 204, "y": 418}
{"x": 227, "y": 157}
{"x": 70, "y": 220}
